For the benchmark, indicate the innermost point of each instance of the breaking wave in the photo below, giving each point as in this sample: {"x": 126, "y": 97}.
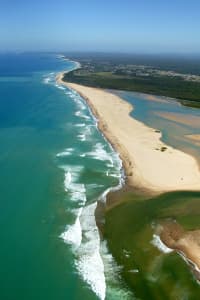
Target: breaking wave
{"x": 160, "y": 245}
{"x": 83, "y": 235}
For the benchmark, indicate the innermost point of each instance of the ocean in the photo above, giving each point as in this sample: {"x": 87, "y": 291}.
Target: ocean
{"x": 54, "y": 167}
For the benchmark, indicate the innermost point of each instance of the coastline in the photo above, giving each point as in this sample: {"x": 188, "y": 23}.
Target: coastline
{"x": 173, "y": 169}
{"x": 186, "y": 243}
{"x": 149, "y": 164}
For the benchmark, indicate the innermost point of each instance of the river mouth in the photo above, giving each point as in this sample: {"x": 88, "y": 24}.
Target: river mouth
{"x": 149, "y": 269}
{"x": 128, "y": 221}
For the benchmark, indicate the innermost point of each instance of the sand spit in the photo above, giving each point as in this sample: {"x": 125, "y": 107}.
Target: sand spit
{"x": 148, "y": 162}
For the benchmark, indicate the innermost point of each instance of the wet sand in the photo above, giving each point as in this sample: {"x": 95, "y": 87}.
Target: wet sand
{"x": 155, "y": 98}
{"x": 194, "y": 138}
{"x": 180, "y": 118}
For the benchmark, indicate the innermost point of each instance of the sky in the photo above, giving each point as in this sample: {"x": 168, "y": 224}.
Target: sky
{"x": 132, "y": 26}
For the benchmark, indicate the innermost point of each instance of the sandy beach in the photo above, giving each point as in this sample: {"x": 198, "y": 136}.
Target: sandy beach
{"x": 150, "y": 165}
{"x": 148, "y": 162}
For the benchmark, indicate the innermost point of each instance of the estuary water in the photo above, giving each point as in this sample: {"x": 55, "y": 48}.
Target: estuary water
{"x": 175, "y": 121}
{"x": 151, "y": 269}
{"x": 54, "y": 167}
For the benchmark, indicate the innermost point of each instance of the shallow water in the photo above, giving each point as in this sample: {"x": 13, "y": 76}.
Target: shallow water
{"x": 154, "y": 114}
{"x": 151, "y": 270}
{"x": 54, "y": 166}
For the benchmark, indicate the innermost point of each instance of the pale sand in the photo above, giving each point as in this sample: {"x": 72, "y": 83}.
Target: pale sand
{"x": 139, "y": 146}
{"x": 155, "y": 98}
{"x": 194, "y": 138}
{"x": 189, "y": 120}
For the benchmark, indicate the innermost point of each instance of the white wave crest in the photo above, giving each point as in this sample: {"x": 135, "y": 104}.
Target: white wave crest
{"x": 80, "y": 125}
{"x": 60, "y": 87}
{"x": 75, "y": 171}
{"x": 85, "y": 133}
{"x": 46, "y": 80}
{"x": 81, "y": 137}
{"x": 78, "y": 100}
{"x": 83, "y": 235}
{"x": 80, "y": 114}
{"x": 73, "y": 234}
{"x": 89, "y": 262}
{"x": 66, "y": 152}
{"x": 49, "y": 78}
{"x": 76, "y": 191}
{"x": 67, "y": 181}
{"x": 100, "y": 153}
{"x": 160, "y": 245}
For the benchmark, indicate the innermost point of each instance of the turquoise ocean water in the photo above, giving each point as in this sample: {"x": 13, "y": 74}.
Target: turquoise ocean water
{"x": 54, "y": 167}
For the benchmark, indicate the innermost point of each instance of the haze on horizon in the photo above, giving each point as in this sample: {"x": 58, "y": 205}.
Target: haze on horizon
{"x": 91, "y": 25}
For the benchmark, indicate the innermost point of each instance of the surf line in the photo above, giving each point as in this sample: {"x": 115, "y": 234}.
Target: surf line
{"x": 89, "y": 257}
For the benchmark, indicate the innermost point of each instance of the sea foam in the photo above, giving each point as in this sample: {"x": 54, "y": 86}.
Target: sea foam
{"x": 160, "y": 245}
{"x": 76, "y": 191}
{"x": 89, "y": 262}
{"x": 47, "y": 80}
{"x": 98, "y": 152}
{"x": 84, "y": 133}
{"x": 83, "y": 235}
{"x": 66, "y": 152}
{"x": 117, "y": 290}
{"x": 73, "y": 234}
{"x": 80, "y": 114}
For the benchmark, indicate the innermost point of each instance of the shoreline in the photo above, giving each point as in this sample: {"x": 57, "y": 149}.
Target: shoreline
{"x": 133, "y": 178}
{"x": 149, "y": 163}
{"x": 177, "y": 239}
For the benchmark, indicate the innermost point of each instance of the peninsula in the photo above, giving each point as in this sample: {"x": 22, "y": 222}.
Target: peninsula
{"x": 148, "y": 162}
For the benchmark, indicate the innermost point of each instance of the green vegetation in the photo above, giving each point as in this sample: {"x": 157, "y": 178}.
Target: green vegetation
{"x": 164, "y": 77}
{"x": 163, "y": 149}
{"x": 163, "y": 86}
